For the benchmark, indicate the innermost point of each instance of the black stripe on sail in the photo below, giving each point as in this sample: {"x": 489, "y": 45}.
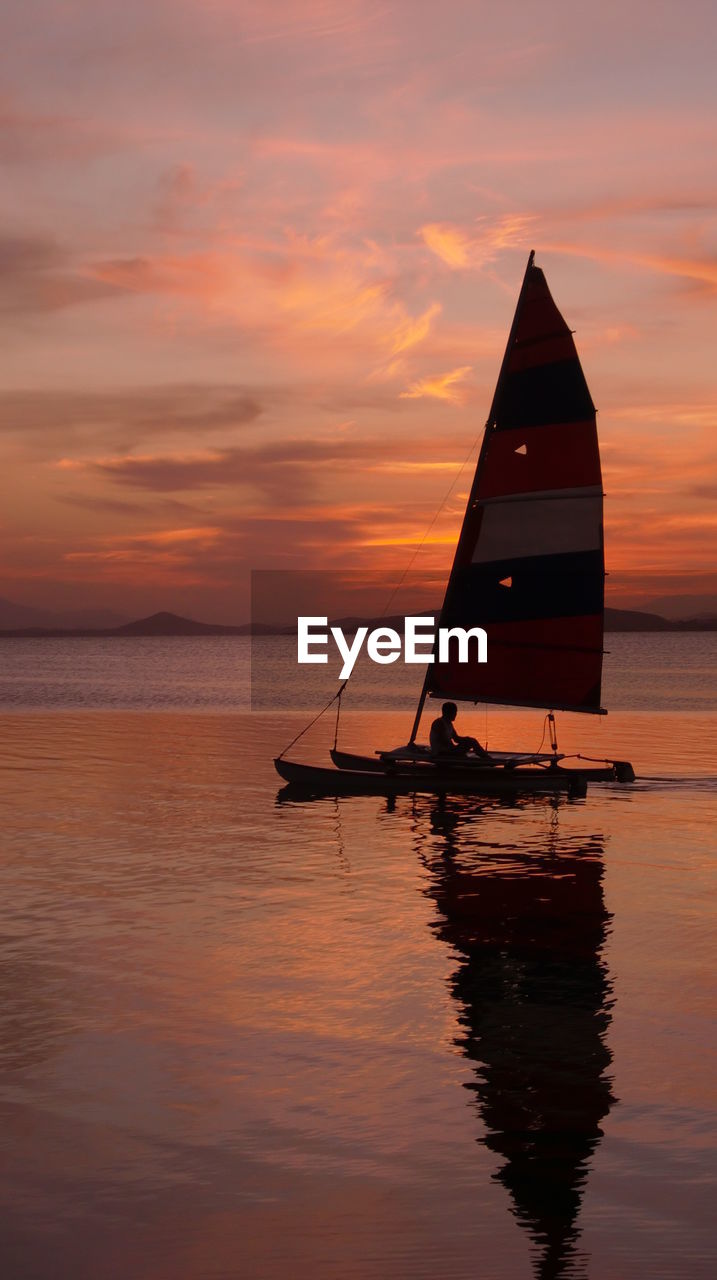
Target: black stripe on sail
{"x": 557, "y": 586}
{"x": 543, "y": 395}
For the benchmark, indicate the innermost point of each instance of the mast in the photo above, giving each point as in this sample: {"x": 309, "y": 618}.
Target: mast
{"x": 479, "y": 468}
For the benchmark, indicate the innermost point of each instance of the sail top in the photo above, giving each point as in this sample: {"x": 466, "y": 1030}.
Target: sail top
{"x": 529, "y": 565}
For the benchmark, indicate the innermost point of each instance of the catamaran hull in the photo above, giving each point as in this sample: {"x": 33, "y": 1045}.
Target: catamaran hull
{"x": 440, "y": 779}
{"x": 610, "y": 771}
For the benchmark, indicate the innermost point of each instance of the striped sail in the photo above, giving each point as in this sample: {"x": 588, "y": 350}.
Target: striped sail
{"x": 529, "y": 565}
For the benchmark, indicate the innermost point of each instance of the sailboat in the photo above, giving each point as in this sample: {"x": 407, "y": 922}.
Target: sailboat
{"x": 529, "y": 568}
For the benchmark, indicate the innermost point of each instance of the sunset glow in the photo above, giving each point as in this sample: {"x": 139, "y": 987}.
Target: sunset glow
{"x": 260, "y": 266}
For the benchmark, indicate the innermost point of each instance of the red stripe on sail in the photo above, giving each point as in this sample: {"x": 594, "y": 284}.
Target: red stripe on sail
{"x": 539, "y": 317}
{"x": 564, "y": 456}
{"x": 584, "y": 632}
{"x": 554, "y": 662}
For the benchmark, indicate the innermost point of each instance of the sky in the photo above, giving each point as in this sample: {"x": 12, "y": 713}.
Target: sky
{"x": 259, "y": 262}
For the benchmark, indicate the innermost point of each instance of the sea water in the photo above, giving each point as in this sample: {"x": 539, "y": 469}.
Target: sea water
{"x": 245, "y": 1036}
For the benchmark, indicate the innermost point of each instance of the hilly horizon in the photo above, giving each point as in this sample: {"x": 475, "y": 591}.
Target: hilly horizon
{"x": 659, "y": 613}
{"x": 166, "y": 623}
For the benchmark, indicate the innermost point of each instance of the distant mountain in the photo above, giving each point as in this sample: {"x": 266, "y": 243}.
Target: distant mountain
{"x": 633, "y": 620}
{"x": 158, "y": 624}
{"x": 21, "y": 615}
{"x": 684, "y": 607}
{"x": 171, "y": 624}
{"x": 704, "y": 622}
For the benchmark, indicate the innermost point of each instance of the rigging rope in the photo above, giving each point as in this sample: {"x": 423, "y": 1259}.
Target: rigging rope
{"x": 322, "y": 712}
{"x": 549, "y": 719}
{"x": 421, "y": 544}
{"x": 338, "y": 712}
{"x": 390, "y": 600}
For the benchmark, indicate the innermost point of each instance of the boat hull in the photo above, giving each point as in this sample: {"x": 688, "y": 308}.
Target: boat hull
{"x": 435, "y": 778}
{"x": 608, "y": 771}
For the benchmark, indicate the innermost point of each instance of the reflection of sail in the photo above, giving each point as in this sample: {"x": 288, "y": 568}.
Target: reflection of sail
{"x": 529, "y": 925}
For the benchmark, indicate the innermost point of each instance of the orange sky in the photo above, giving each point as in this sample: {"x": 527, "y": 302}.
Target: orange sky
{"x": 260, "y": 263}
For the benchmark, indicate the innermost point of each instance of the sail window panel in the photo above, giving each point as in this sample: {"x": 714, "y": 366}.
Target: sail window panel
{"x": 523, "y": 528}
{"x": 559, "y": 456}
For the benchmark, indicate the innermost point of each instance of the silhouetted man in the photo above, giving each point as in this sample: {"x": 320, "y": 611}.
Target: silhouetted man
{"x": 446, "y": 742}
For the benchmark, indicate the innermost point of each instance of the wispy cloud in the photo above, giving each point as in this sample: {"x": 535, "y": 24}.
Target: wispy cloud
{"x": 125, "y": 415}
{"x": 409, "y": 331}
{"x": 460, "y": 248}
{"x": 30, "y": 137}
{"x": 279, "y": 471}
{"x": 38, "y": 275}
{"x": 443, "y": 386}
{"x": 702, "y": 269}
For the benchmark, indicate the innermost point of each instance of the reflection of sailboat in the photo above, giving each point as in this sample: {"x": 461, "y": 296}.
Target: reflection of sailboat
{"x": 528, "y": 927}
{"x": 528, "y": 569}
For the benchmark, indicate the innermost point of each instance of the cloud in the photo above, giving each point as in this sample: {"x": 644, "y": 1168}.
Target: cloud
{"x": 411, "y": 331}
{"x": 181, "y": 539}
{"x": 37, "y": 275}
{"x": 701, "y": 269}
{"x": 441, "y": 387}
{"x": 340, "y": 474}
{"x": 309, "y": 21}
{"x": 293, "y": 290}
{"x": 127, "y": 414}
{"x": 450, "y": 244}
{"x": 461, "y": 249}
{"x": 101, "y": 504}
{"x": 105, "y": 505}
{"x": 280, "y": 471}
{"x": 31, "y": 137}
{"x": 170, "y": 473}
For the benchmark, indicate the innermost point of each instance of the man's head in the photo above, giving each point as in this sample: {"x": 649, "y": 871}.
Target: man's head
{"x": 450, "y": 711}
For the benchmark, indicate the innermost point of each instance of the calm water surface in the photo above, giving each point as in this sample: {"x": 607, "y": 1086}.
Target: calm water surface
{"x": 642, "y": 672}
{"x": 248, "y": 1037}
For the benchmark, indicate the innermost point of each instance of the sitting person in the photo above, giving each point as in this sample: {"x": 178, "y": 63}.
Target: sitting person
{"x": 446, "y": 742}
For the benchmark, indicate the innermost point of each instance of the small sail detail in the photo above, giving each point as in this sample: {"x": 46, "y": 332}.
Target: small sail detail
{"x": 529, "y": 565}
